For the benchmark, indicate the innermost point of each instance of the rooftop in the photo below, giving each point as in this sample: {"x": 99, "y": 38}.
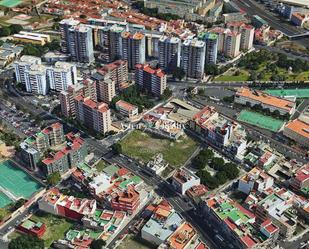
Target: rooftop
{"x": 299, "y": 127}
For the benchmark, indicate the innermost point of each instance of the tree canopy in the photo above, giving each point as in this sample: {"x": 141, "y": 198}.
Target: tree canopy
{"x": 54, "y": 178}
{"x": 97, "y": 244}
{"x": 26, "y": 242}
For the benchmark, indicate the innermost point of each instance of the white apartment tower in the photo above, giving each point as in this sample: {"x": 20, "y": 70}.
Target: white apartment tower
{"x": 169, "y": 52}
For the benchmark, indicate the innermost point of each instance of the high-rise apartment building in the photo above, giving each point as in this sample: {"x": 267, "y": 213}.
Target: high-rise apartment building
{"x": 133, "y": 48}
{"x": 35, "y": 79}
{"x": 61, "y": 76}
{"x": 152, "y": 80}
{"x": 232, "y": 44}
{"x": 81, "y": 44}
{"x": 247, "y": 34}
{"x": 211, "y": 41}
{"x": 64, "y": 26}
{"x": 23, "y": 65}
{"x": 109, "y": 40}
{"x": 92, "y": 114}
{"x": 169, "y": 52}
{"x": 87, "y": 88}
{"x": 106, "y": 89}
{"x": 193, "y": 58}
{"x": 118, "y": 72}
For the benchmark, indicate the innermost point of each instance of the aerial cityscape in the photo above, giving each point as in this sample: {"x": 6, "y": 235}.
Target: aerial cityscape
{"x": 169, "y": 124}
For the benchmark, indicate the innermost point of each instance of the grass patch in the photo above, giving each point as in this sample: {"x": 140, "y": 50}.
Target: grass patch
{"x": 144, "y": 146}
{"x": 260, "y": 120}
{"x": 132, "y": 242}
{"x": 101, "y": 165}
{"x": 243, "y": 75}
{"x": 56, "y": 227}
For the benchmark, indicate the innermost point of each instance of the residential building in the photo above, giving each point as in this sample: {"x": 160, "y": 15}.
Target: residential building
{"x": 36, "y": 79}
{"x": 151, "y": 80}
{"x": 298, "y": 130}
{"x": 99, "y": 183}
{"x": 220, "y": 32}
{"x": 106, "y": 90}
{"x": 299, "y": 19}
{"x": 225, "y": 134}
{"x": 169, "y": 53}
{"x": 30, "y": 155}
{"x": 117, "y": 71}
{"x": 300, "y": 180}
{"x": 56, "y": 203}
{"x": 183, "y": 180}
{"x": 162, "y": 224}
{"x": 237, "y": 224}
{"x": 109, "y": 40}
{"x": 64, "y": 26}
{"x": 247, "y": 34}
{"x": 29, "y": 227}
{"x": 54, "y": 133}
{"x": 246, "y": 96}
{"x": 81, "y": 44}
{"x": 193, "y": 58}
{"x": 182, "y": 237}
{"x": 255, "y": 180}
{"x": 71, "y": 154}
{"x": 258, "y": 22}
{"x": 127, "y": 109}
{"x": 61, "y": 76}
{"x": 33, "y": 38}
{"x": 156, "y": 165}
{"x": 133, "y": 48}
{"x": 23, "y": 65}
{"x": 152, "y": 44}
{"x": 211, "y": 41}
{"x": 232, "y": 44}
{"x": 92, "y": 114}
{"x": 128, "y": 200}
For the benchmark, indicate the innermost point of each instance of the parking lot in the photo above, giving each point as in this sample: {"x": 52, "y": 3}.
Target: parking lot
{"x": 18, "y": 120}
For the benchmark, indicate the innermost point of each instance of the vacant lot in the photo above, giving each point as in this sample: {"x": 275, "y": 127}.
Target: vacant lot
{"x": 131, "y": 242}
{"x": 144, "y": 146}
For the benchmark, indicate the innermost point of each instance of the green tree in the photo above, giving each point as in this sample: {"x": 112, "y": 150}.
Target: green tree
{"x": 166, "y": 94}
{"x": 16, "y": 28}
{"x": 217, "y": 163}
{"x": 231, "y": 170}
{"x": 97, "y": 244}
{"x": 117, "y": 148}
{"x": 54, "y": 178}
{"x": 5, "y": 31}
{"x": 212, "y": 69}
{"x": 178, "y": 73}
{"x": 26, "y": 242}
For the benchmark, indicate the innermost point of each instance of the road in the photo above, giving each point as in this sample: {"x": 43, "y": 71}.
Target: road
{"x": 253, "y": 8}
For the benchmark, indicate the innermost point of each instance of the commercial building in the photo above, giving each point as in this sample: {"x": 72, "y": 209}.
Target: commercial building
{"x": 298, "y": 130}
{"x": 8, "y": 53}
{"x": 193, "y": 58}
{"x": 23, "y": 65}
{"x": 92, "y": 114}
{"x": 183, "y": 180}
{"x": 36, "y": 79}
{"x": 61, "y": 76}
{"x": 246, "y": 96}
{"x": 255, "y": 180}
{"x": 169, "y": 52}
{"x": 56, "y": 203}
{"x": 81, "y": 44}
{"x": 126, "y": 109}
{"x": 127, "y": 200}
{"x": 152, "y": 80}
{"x": 133, "y": 48}
{"x": 106, "y": 89}
{"x": 117, "y": 71}
{"x": 211, "y": 41}
{"x": 34, "y": 38}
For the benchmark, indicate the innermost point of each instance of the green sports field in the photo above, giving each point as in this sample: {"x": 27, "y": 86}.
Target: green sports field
{"x": 298, "y": 93}
{"x": 16, "y": 181}
{"x": 10, "y": 3}
{"x": 260, "y": 120}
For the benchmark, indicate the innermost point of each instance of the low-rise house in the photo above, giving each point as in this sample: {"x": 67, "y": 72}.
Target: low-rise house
{"x": 183, "y": 180}
{"x": 30, "y": 227}
{"x": 126, "y": 109}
